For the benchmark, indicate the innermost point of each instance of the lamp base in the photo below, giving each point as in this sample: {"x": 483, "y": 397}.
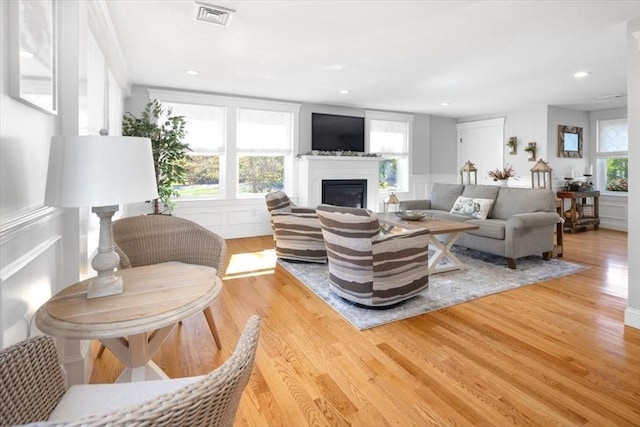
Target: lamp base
{"x": 106, "y": 260}
{"x": 103, "y": 286}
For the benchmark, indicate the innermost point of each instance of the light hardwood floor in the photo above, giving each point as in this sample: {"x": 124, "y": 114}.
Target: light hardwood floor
{"x": 554, "y": 353}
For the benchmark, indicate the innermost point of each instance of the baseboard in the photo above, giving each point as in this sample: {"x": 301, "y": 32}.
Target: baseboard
{"x": 632, "y": 317}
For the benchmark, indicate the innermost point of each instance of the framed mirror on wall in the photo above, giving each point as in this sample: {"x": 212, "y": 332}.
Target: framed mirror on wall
{"x": 569, "y": 141}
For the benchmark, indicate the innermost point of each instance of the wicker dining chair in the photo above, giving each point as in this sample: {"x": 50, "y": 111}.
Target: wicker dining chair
{"x": 153, "y": 239}
{"x": 33, "y": 390}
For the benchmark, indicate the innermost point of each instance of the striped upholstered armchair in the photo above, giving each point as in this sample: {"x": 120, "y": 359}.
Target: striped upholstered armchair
{"x": 370, "y": 268}
{"x": 296, "y": 230}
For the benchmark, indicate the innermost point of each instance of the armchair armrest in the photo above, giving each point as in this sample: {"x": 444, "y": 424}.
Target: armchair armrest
{"x": 30, "y": 372}
{"x": 303, "y": 210}
{"x": 398, "y": 245}
{"x": 533, "y": 219}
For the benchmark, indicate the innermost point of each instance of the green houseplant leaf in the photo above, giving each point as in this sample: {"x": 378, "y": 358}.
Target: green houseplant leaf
{"x": 170, "y": 157}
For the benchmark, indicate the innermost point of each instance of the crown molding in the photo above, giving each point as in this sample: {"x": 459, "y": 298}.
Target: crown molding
{"x": 106, "y": 37}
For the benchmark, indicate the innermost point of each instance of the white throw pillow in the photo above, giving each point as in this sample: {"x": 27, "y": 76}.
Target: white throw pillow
{"x": 475, "y": 208}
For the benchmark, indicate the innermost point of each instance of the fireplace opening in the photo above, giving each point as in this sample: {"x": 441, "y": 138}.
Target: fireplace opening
{"x": 345, "y": 192}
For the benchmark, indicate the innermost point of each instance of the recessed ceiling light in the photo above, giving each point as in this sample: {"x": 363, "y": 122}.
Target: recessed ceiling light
{"x": 445, "y": 104}
{"x": 581, "y": 74}
{"x": 345, "y": 92}
{"x": 192, "y": 72}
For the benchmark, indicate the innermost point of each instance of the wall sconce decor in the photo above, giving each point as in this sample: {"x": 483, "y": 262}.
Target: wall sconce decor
{"x": 513, "y": 145}
{"x": 541, "y": 170}
{"x": 569, "y": 141}
{"x": 531, "y": 149}
{"x": 470, "y": 172}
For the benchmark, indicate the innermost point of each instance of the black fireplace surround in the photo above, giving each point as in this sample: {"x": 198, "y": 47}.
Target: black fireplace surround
{"x": 345, "y": 192}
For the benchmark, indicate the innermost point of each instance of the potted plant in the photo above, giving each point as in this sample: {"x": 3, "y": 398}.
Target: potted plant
{"x": 503, "y": 175}
{"x": 166, "y": 133}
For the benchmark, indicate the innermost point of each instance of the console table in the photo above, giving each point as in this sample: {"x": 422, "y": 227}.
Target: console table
{"x": 581, "y": 213}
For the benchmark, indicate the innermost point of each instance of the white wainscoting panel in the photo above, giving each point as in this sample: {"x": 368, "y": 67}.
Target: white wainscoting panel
{"x": 228, "y": 218}
{"x": 25, "y": 285}
{"x": 613, "y": 211}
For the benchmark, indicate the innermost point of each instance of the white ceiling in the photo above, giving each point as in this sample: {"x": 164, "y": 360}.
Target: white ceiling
{"x": 484, "y": 57}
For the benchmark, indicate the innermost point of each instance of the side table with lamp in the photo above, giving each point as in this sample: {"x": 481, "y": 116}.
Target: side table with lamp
{"x": 131, "y": 311}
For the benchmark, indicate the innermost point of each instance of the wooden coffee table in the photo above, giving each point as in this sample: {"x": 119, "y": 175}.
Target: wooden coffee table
{"x": 442, "y": 236}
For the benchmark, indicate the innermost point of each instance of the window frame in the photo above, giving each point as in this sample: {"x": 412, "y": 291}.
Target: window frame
{"x": 229, "y": 173}
{"x": 600, "y": 178}
{"x": 404, "y": 156}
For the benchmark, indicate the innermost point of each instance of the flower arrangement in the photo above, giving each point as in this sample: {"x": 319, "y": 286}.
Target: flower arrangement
{"x": 530, "y": 148}
{"x": 500, "y": 174}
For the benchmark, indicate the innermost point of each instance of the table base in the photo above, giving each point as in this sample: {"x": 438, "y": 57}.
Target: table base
{"x": 136, "y": 351}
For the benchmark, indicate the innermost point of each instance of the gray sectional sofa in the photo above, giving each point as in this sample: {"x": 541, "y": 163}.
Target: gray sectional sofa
{"x": 519, "y": 221}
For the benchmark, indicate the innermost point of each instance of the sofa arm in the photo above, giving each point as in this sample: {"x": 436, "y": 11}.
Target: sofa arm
{"x": 533, "y": 220}
{"x": 413, "y": 205}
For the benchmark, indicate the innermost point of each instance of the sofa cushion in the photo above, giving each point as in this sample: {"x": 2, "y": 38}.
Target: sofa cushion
{"x": 482, "y": 192}
{"x": 474, "y": 208}
{"x": 443, "y": 196}
{"x": 492, "y": 228}
{"x": 512, "y": 201}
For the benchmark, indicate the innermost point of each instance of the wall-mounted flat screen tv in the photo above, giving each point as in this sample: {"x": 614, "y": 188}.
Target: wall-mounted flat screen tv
{"x": 337, "y": 133}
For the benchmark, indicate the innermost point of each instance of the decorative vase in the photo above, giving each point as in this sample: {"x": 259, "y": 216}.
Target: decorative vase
{"x": 503, "y": 182}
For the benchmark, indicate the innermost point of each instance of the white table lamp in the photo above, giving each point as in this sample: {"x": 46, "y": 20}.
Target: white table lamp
{"x": 101, "y": 172}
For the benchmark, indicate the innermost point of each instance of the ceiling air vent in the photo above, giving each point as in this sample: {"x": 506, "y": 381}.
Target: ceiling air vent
{"x": 212, "y": 14}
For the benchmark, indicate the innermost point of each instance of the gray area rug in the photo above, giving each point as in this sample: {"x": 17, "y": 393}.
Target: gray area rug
{"x": 486, "y": 274}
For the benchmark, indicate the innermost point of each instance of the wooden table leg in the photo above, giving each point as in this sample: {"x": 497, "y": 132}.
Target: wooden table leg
{"x": 443, "y": 252}
{"x": 136, "y": 351}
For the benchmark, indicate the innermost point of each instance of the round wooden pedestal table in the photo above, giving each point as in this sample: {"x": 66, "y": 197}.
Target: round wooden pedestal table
{"x": 135, "y": 323}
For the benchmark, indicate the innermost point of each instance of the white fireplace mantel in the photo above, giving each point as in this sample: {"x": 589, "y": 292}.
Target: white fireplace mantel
{"x": 313, "y": 169}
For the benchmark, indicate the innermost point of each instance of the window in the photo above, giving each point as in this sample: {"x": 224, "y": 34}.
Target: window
{"x": 241, "y": 148}
{"x": 205, "y": 130}
{"x": 612, "y": 157}
{"x": 391, "y": 139}
{"x": 264, "y": 144}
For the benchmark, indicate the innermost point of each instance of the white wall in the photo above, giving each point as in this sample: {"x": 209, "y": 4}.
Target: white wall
{"x": 43, "y": 249}
{"x": 528, "y": 126}
{"x": 564, "y": 116}
{"x": 30, "y": 234}
{"x": 632, "y": 313}
{"x": 443, "y": 147}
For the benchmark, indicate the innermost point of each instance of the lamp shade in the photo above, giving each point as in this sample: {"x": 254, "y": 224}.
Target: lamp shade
{"x": 87, "y": 171}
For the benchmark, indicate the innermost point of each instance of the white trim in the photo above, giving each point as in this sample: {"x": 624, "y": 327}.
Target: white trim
{"x": 26, "y": 221}
{"x": 383, "y": 115}
{"x": 224, "y": 101}
{"x": 632, "y": 317}
{"x": 393, "y": 117}
{"x": 482, "y": 123}
{"x": 27, "y": 258}
{"x": 99, "y": 21}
